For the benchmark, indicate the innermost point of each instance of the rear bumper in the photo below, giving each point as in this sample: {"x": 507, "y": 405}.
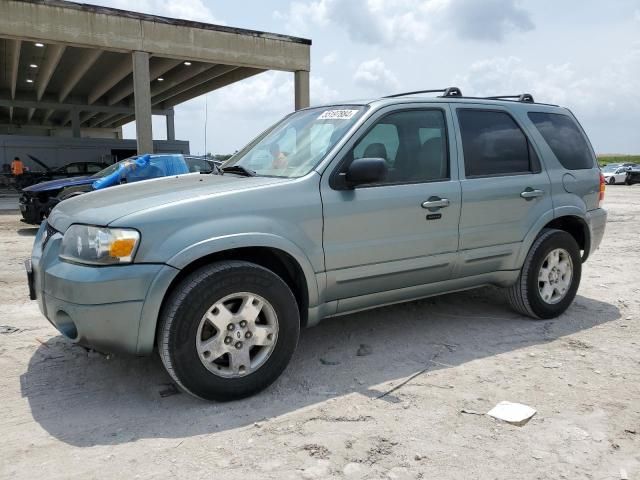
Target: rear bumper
{"x": 597, "y": 221}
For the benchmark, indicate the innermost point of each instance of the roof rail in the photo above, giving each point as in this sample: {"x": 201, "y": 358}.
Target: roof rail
{"x": 446, "y": 92}
{"x": 524, "y": 97}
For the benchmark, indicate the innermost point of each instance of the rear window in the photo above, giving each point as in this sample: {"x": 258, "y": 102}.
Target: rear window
{"x": 493, "y": 144}
{"x": 565, "y": 139}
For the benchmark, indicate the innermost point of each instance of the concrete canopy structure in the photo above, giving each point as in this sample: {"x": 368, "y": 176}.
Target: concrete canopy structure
{"x": 70, "y": 64}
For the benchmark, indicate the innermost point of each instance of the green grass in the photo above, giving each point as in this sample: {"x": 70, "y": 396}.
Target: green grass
{"x": 606, "y": 159}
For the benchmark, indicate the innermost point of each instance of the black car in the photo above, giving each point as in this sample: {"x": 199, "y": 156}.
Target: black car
{"x": 74, "y": 169}
{"x": 633, "y": 175}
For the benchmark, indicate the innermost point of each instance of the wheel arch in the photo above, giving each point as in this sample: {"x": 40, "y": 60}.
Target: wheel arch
{"x": 572, "y": 222}
{"x": 578, "y": 228}
{"x": 277, "y": 260}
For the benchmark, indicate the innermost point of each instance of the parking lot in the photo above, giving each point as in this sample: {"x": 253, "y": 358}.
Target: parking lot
{"x": 344, "y": 407}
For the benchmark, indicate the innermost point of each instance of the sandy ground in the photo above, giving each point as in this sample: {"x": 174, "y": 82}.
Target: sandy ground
{"x": 69, "y": 413}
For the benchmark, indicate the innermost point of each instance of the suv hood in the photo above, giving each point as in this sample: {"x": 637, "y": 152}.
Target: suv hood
{"x": 57, "y": 184}
{"x": 102, "y": 207}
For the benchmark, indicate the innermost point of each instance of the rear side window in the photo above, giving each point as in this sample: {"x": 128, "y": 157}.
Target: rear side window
{"x": 493, "y": 144}
{"x": 565, "y": 139}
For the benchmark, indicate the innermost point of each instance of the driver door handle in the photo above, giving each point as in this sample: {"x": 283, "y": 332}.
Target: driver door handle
{"x": 436, "y": 202}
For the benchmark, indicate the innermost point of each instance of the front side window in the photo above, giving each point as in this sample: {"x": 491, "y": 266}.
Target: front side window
{"x": 293, "y": 147}
{"x": 412, "y": 142}
{"x": 493, "y": 144}
{"x": 73, "y": 168}
{"x": 565, "y": 139}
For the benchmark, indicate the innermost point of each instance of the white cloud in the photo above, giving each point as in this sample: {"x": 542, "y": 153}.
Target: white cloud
{"x": 609, "y": 88}
{"x": 330, "y": 58}
{"x": 489, "y": 20}
{"x": 375, "y": 77}
{"x": 405, "y": 22}
{"x": 269, "y": 92}
{"x": 606, "y": 99}
{"x": 185, "y": 9}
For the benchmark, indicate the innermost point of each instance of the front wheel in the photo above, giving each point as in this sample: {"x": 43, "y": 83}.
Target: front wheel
{"x": 612, "y": 181}
{"x": 228, "y": 330}
{"x": 550, "y": 276}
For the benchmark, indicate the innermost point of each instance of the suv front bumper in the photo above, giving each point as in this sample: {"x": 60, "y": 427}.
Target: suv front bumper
{"x": 112, "y": 308}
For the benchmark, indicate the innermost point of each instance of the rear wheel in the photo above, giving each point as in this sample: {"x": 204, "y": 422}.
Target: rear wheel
{"x": 228, "y": 330}
{"x": 550, "y": 276}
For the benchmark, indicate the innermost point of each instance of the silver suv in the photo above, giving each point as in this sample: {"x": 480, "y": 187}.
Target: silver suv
{"x": 334, "y": 209}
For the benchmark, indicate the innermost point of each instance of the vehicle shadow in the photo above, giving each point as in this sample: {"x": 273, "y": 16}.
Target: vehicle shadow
{"x": 28, "y": 232}
{"x": 90, "y": 399}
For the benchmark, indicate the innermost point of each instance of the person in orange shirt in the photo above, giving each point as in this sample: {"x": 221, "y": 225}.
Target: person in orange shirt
{"x": 17, "y": 167}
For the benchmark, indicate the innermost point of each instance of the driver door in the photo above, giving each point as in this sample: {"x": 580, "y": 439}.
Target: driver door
{"x": 381, "y": 238}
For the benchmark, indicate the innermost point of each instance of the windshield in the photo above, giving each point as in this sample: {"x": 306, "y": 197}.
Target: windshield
{"x": 295, "y": 145}
{"x": 111, "y": 168}
{"x": 610, "y": 168}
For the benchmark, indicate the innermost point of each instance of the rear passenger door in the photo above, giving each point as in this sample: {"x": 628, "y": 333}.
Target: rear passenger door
{"x": 504, "y": 189}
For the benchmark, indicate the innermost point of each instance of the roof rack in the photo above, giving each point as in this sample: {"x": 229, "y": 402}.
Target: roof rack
{"x": 524, "y": 97}
{"x": 446, "y": 92}
{"x": 456, "y": 92}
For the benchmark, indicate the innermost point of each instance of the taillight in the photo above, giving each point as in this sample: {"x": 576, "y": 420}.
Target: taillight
{"x": 602, "y": 188}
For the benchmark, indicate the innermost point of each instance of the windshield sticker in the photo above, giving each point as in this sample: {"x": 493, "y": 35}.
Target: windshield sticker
{"x": 337, "y": 114}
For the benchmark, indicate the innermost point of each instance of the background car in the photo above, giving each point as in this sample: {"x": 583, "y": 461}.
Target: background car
{"x": 615, "y": 173}
{"x": 633, "y": 175}
{"x": 37, "y": 200}
{"x": 74, "y": 169}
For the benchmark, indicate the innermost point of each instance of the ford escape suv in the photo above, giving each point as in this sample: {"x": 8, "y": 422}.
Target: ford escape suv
{"x": 334, "y": 209}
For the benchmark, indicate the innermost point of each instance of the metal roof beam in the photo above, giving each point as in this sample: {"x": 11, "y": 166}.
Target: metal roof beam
{"x": 82, "y": 66}
{"x": 210, "y": 74}
{"x": 118, "y": 73}
{"x": 43, "y": 104}
{"x": 158, "y": 68}
{"x": 224, "y": 80}
{"x": 14, "y": 46}
{"x": 51, "y": 60}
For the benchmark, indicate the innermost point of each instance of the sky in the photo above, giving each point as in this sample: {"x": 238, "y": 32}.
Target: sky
{"x": 584, "y": 55}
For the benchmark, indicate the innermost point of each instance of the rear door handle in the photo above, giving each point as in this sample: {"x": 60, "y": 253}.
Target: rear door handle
{"x": 531, "y": 193}
{"x": 435, "y": 203}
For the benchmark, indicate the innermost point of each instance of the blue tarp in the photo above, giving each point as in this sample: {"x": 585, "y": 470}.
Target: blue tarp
{"x": 144, "y": 167}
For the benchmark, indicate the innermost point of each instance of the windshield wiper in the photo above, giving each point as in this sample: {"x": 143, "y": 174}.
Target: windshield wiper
{"x": 240, "y": 170}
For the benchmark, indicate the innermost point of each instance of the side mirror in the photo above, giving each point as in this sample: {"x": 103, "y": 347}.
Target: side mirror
{"x": 366, "y": 170}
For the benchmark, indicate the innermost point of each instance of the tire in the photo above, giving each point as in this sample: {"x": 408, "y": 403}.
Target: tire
{"x": 197, "y": 304}
{"x": 612, "y": 181}
{"x": 526, "y": 296}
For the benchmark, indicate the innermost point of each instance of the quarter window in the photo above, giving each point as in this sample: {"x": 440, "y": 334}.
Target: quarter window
{"x": 493, "y": 144}
{"x": 565, "y": 139}
{"x": 412, "y": 142}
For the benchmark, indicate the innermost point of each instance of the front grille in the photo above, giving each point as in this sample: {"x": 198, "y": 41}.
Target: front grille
{"x": 49, "y": 232}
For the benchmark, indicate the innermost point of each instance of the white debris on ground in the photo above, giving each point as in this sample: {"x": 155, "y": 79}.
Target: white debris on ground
{"x": 513, "y": 413}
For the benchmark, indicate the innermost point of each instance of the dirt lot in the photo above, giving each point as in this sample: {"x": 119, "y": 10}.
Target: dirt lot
{"x": 69, "y": 413}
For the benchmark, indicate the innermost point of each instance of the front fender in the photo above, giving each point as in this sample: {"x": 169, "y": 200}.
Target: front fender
{"x": 252, "y": 239}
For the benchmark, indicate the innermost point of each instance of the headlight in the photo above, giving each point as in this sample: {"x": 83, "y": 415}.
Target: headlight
{"x": 99, "y": 245}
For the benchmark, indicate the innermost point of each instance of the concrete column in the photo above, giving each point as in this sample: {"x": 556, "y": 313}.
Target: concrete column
{"x": 142, "y": 100}
{"x": 301, "y": 85}
{"x": 171, "y": 128}
{"x": 75, "y": 123}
